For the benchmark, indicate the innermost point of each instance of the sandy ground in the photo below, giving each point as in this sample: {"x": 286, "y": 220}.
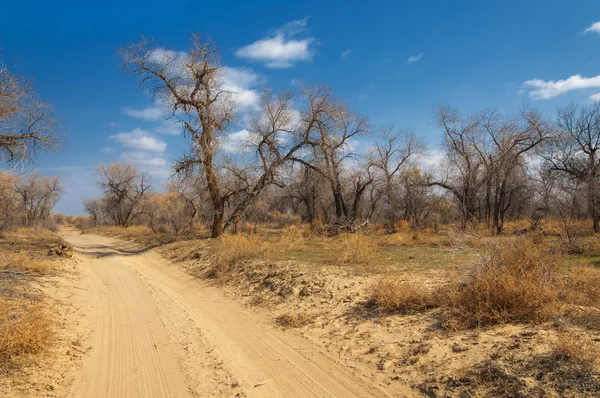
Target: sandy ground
{"x": 156, "y": 331}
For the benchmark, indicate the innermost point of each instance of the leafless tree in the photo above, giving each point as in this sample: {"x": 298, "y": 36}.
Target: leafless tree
{"x": 27, "y": 124}
{"x": 485, "y": 156}
{"x": 389, "y": 156}
{"x": 93, "y": 207}
{"x": 575, "y": 152}
{"x": 38, "y": 197}
{"x": 124, "y": 188}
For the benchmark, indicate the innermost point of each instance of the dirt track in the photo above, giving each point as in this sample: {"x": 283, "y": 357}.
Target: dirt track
{"x": 158, "y": 332}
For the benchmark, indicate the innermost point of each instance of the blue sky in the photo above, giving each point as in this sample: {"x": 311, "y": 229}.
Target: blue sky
{"x": 391, "y": 60}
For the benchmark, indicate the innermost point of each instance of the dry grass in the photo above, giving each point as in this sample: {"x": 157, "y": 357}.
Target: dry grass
{"x": 22, "y": 262}
{"x": 25, "y": 330}
{"x": 232, "y": 250}
{"x": 513, "y": 281}
{"x": 355, "y": 249}
{"x": 396, "y": 295}
{"x": 293, "y": 319}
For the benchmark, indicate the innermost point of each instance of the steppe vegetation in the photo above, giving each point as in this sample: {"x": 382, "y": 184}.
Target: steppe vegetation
{"x": 475, "y": 275}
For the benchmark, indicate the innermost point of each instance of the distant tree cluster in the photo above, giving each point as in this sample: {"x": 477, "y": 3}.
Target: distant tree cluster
{"x": 299, "y": 164}
{"x": 27, "y": 200}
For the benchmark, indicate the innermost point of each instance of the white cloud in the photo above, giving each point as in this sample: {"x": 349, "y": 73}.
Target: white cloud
{"x": 140, "y": 139}
{"x": 236, "y": 142}
{"x": 152, "y": 113}
{"x": 543, "y": 89}
{"x": 143, "y": 159}
{"x": 595, "y": 97}
{"x": 281, "y": 50}
{"x": 169, "y": 127}
{"x": 106, "y": 150}
{"x": 594, "y": 28}
{"x": 431, "y": 160}
{"x": 414, "y": 58}
{"x": 345, "y": 54}
{"x": 241, "y": 81}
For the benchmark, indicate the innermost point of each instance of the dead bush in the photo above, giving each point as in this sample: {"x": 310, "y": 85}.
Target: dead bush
{"x": 292, "y": 319}
{"x": 24, "y": 331}
{"x": 355, "y": 249}
{"x": 23, "y": 262}
{"x": 572, "y": 363}
{"x": 232, "y": 250}
{"x": 582, "y": 286}
{"x": 513, "y": 281}
{"x": 395, "y": 295}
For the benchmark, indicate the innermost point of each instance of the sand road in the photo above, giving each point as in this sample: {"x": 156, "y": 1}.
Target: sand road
{"x": 158, "y": 332}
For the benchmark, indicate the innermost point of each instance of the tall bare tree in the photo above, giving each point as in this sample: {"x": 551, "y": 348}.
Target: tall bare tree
{"x": 124, "y": 189}
{"x": 575, "y": 152}
{"x": 38, "y": 197}
{"x": 389, "y": 156}
{"x": 27, "y": 124}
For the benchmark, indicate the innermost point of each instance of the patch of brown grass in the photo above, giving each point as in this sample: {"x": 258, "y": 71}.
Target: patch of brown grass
{"x": 572, "y": 363}
{"x": 513, "y": 281}
{"x": 582, "y": 286}
{"x": 23, "y": 262}
{"x": 396, "y": 295}
{"x": 232, "y": 250}
{"x": 355, "y": 249}
{"x": 293, "y": 319}
{"x": 25, "y": 330}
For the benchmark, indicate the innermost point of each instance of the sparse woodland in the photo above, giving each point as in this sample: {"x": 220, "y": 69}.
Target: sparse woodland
{"x": 497, "y": 237}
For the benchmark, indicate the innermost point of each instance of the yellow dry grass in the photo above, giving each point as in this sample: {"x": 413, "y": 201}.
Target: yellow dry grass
{"x": 25, "y": 330}
{"x": 396, "y": 295}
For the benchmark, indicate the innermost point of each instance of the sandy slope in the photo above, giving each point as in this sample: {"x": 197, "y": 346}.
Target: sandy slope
{"x": 160, "y": 332}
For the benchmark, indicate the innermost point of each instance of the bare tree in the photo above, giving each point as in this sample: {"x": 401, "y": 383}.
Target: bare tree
{"x": 93, "y": 207}
{"x": 124, "y": 188}
{"x": 575, "y": 152}
{"x": 27, "y": 124}
{"x": 192, "y": 84}
{"x": 391, "y": 154}
{"x": 485, "y": 160}
{"x": 9, "y": 200}
{"x": 38, "y": 197}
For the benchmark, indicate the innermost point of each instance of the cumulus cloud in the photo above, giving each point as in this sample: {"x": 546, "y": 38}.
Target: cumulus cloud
{"x": 242, "y": 82}
{"x": 151, "y": 113}
{"x": 546, "y": 89}
{"x": 169, "y": 127}
{"x": 281, "y": 49}
{"x": 140, "y": 139}
{"x": 595, "y": 97}
{"x": 594, "y": 28}
{"x": 415, "y": 58}
{"x": 143, "y": 159}
{"x": 236, "y": 142}
{"x": 345, "y": 54}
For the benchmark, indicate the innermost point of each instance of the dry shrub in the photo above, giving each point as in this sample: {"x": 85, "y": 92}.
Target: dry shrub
{"x": 395, "y": 295}
{"x": 402, "y": 226}
{"x": 572, "y": 362}
{"x": 513, "y": 281}
{"x": 24, "y": 331}
{"x": 356, "y": 249}
{"x": 22, "y": 262}
{"x": 293, "y": 319}
{"x": 231, "y": 250}
{"x": 582, "y": 287}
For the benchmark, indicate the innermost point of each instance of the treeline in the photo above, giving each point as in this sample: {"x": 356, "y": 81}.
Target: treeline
{"x": 27, "y": 200}
{"x": 298, "y": 162}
